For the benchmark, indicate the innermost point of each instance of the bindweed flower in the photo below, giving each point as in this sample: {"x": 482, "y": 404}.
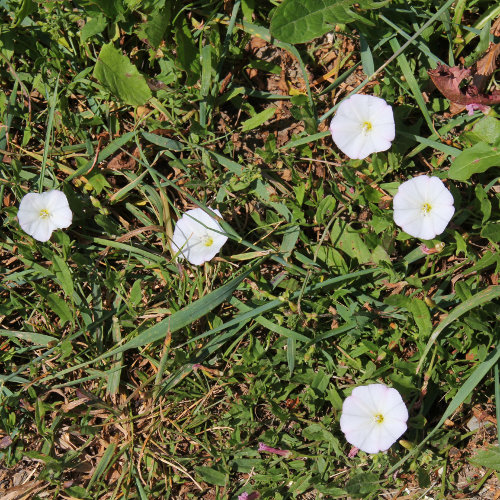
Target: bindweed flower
{"x": 41, "y": 213}
{"x": 249, "y": 496}
{"x": 373, "y": 417}
{"x": 275, "y": 451}
{"x": 363, "y": 124}
{"x": 198, "y": 236}
{"x": 423, "y": 206}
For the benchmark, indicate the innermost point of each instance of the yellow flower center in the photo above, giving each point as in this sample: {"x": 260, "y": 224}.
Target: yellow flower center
{"x": 208, "y": 241}
{"x": 426, "y": 208}
{"x": 44, "y": 214}
{"x": 367, "y": 126}
{"x": 379, "y": 418}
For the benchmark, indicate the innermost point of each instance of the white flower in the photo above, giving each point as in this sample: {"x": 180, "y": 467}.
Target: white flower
{"x": 363, "y": 124}
{"x": 423, "y": 206}
{"x": 373, "y": 417}
{"x": 198, "y": 236}
{"x": 41, "y": 213}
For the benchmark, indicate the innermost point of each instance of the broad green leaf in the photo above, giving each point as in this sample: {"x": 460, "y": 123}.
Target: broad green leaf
{"x": 157, "y": 25}
{"x": 474, "y": 160}
{"x": 316, "y": 432}
{"x": 211, "y": 476}
{"x": 64, "y": 276}
{"x": 325, "y": 209}
{"x": 60, "y": 307}
{"x": 188, "y": 58}
{"x": 491, "y": 231}
{"x": 422, "y": 317}
{"x": 26, "y": 8}
{"x": 487, "y": 129}
{"x": 163, "y": 142}
{"x": 115, "y": 71}
{"x": 366, "y": 56}
{"x": 112, "y": 8}
{"x": 258, "y": 119}
{"x": 488, "y": 458}
{"x": 362, "y": 484}
{"x": 93, "y": 27}
{"x": 296, "y": 21}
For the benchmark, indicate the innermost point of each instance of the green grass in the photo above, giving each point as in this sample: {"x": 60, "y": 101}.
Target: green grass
{"x": 126, "y": 374}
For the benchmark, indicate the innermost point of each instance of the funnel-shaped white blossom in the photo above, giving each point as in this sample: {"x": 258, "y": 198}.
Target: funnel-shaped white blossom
{"x": 373, "y": 417}
{"x": 423, "y": 206}
{"x": 363, "y": 124}
{"x": 41, "y": 213}
{"x": 198, "y": 237}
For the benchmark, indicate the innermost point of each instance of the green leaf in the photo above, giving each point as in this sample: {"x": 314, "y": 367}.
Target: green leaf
{"x": 484, "y": 296}
{"x": 157, "y": 24}
{"x": 163, "y": 142}
{"x": 115, "y": 71}
{"x": 487, "y": 129}
{"x": 93, "y": 27}
{"x": 491, "y": 231}
{"x": 489, "y": 458}
{"x": 211, "y": 476}
{"x": 60, "y": 308}
{"x": 296, "y": 21}
{"x": 474, "y": 160}
{"x": 102, "y": 464}
{"x": 188, "y": 58}
{"x": 421, "y": 316}
{"x": 316, "y": 432}
{"x": 462, "y": 394}
{"x": 258, "y": 119}
{"x": 26, "y": 8}
{"x": 35, "y": 338}
{"x": 362, "y": 484}
{"x": 64, "y": 276}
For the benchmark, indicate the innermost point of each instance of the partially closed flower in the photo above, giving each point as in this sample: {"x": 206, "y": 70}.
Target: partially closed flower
{"x": 41, "y": 213}
{"x": 363, "y": 124}
{"x": 373, "y": 417}
{"x": 198, "y": 237}
{"x": 423, "y": 206}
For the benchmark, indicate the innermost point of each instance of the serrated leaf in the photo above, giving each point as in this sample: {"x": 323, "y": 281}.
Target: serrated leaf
{"x": 258, "y": 119}
{"x": 115, "y": 71}
{"x": 296, "y": 21}
{"x": 474, "y": 160}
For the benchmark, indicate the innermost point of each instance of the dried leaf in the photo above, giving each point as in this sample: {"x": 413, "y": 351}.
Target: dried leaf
{"x": 448, "y": 80}
{"x": 486, "y": 66}
{"x": 23, "y": 492}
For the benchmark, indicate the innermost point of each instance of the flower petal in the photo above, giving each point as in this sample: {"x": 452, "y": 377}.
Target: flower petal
{"x": 40, "y": 229}
{"x": 191, "y": 234}
{"x": 373, "y": 417}
{"x": 362, "y": 125}
{"x": 423, "y": 207}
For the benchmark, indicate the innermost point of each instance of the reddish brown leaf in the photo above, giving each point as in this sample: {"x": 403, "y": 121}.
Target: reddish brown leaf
{"x": 448, "y": 80}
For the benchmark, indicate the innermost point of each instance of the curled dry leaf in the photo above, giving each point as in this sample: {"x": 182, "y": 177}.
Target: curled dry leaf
{"x": 448, "y": 80}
